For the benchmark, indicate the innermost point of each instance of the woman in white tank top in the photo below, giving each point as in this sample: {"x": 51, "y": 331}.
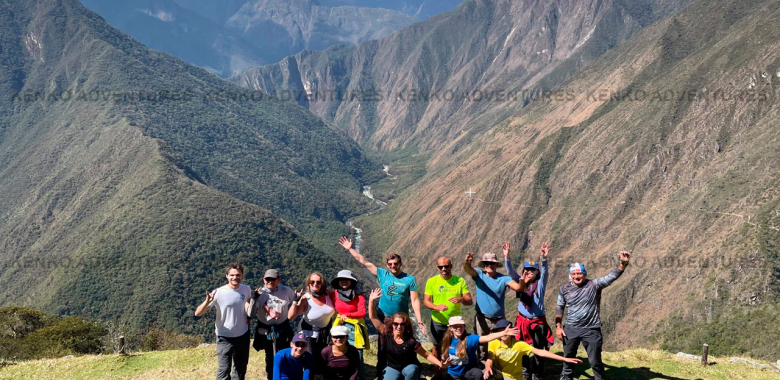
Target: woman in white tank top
{"x": 316, "y": 305}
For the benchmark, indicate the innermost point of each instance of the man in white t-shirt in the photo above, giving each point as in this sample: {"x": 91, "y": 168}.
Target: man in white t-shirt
{"x": 232, "y": 322}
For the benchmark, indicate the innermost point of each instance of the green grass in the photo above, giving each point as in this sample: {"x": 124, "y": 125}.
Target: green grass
{"x": 200, "y": 363}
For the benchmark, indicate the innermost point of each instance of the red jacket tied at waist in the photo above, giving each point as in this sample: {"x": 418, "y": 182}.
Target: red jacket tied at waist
{"x": 525, "y": 326}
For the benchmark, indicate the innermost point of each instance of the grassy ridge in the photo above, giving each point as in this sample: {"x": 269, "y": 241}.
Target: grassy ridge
{"x": 201, "y": 363}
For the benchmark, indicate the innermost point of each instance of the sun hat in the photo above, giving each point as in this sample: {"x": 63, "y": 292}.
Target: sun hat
{"x": 344, "y": 274}
{"x": 490, "y": 258}
{"x": 339, "y": 331}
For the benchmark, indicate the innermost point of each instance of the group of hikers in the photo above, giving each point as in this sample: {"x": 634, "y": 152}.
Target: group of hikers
{"x": 332, "y": 335}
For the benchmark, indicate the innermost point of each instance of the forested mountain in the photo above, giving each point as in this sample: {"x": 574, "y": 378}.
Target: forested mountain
{"x": 428, "y": 83}
{"x": 129, "y": 179}
{"x": 227, "y": 37}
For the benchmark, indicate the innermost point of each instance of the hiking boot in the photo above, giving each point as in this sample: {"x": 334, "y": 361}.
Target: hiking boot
{"x": 536, "y": 377}
{"x": 526, "y": 376}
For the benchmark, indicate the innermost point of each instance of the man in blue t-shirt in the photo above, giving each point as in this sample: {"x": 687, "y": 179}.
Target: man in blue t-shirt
{"x": 294, "y": 363}
{"x": 398, "y": 288}
{"x": 491, "y": 292}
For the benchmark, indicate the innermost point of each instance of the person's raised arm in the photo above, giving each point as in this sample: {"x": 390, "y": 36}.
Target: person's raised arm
{"x": 467, "y": 265}
{"x": 416, "y": 308}
{"x": 550, "y": 355}
{"x": 347, "y": 244}
{"x": 205, "y": 305}
{"x": 254, "y": 303}
{"x": 297, "y": 307}
{"x": 540, "y": 289}
{"x": 508, "y": 332}
{"x": 607, "y": 280}
{"x": 510, "y": 269}
{"x": 378, "y": 324}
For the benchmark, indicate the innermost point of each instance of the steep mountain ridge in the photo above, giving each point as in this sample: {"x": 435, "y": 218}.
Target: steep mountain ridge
{"x": 128, "y": 186}
{"x": 666, "y": 146}
{"x": 428, "y": 83}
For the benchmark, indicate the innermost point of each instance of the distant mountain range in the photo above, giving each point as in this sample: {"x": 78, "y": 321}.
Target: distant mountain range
{"x": 227, "y": 37}
{"x": 129, "y": 179}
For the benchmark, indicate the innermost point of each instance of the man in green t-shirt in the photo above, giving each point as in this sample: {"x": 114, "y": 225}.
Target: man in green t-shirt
{"x": 443, "y": 295}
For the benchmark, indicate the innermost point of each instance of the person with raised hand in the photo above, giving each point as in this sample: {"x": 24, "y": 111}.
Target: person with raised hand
{"x": 350, "y": 303}
{"x": 399, "y": 290}
{"x": 461, "y": 350}
{"x": 506, "y": 354}
{"x": 316, "y": 305}
{"x": 397, "y": 337}
{"x": 583, "y": 322}
{"x": 444, "y": 295}
{"x": 231, "y": 325}
{"x": 295, "y": 362}
{"x": 491, "y": 293}
{"x": 271, "y": 305}
{"x": 531, "y": 320}
{"x": 342, "y": 361}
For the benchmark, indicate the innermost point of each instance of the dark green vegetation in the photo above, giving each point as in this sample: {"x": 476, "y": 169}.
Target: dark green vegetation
{"x": 31, "y": 334}
{"x": 127, "y": 208}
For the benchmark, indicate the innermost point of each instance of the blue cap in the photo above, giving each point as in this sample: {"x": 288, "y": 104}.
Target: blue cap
{"x": 502, "y": 324}
{"x": 531, "y": 264}
{"x": 299, "y": 337}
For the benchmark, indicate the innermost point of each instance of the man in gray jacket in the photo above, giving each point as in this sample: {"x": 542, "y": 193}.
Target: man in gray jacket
{"x": 583, "y": 323}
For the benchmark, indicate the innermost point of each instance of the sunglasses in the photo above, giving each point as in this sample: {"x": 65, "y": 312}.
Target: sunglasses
{"x": 339, "y": 337}
{"x": 396, "y": 324}
{"x": 393, "y": 264}
{"x": 458, "y": 327}
{"x": 315, "y": 282}
{"x": 300, "y": 344}
{"x": 488, "y": 264}
{"x": 269, "y": 279}
{"x": 444, "y": 266}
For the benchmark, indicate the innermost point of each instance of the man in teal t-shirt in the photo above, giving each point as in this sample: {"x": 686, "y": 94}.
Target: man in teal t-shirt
{"x": 398, "y": 288}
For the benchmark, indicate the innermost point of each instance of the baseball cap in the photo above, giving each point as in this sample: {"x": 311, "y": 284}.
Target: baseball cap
{"x": 531, "y": 264}
{"x": 339, "y": 331}
{"x": 502, "y": 324}
{"x": 456, "y": 320}
{"x": 271, "y": 273}
{"x": 299, "y": 337}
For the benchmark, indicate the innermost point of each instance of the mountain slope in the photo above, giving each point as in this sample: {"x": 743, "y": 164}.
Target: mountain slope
{"x": 124, "y": 197}
{"x": 425, "y": 84}
{"x": 666, "y": 146}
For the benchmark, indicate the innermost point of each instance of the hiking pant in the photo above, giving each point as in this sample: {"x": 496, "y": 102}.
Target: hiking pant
{"x": 484, "y": 325}
{"x": 534, "y": 365}
{"x": 230, "y": 351}
{"x": 592, "y": 341}
{"x": 268, "y": 337}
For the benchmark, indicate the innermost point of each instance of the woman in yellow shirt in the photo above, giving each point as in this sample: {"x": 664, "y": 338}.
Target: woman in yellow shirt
{"x": 505, "y": 356}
